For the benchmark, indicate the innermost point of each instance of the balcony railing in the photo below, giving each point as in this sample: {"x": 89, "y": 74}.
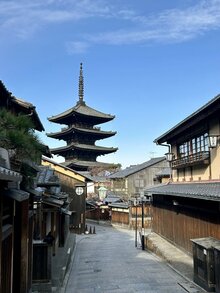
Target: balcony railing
{"x": 200, "y": 158}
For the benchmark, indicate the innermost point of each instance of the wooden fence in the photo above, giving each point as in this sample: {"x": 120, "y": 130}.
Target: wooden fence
{"x": 133, "y": 217}
{"x": 179, "y": 225}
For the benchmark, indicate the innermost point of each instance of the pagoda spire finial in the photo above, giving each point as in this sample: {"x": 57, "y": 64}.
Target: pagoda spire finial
{"x": 81, "y": 84}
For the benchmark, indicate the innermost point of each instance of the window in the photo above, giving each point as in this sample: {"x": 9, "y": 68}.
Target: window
{"x": 139, "y": 183}
{"x": 193, "y": 146}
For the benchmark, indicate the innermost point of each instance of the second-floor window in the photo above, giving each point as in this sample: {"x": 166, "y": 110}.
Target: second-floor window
{"x": 139, "y": 183}
{"x": 193, "y": 146}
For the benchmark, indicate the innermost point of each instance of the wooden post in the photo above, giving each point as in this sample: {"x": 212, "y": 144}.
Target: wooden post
{"x": 24, "y": 221}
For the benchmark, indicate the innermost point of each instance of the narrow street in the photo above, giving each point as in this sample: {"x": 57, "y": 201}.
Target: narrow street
{"x": 109, "y": 262}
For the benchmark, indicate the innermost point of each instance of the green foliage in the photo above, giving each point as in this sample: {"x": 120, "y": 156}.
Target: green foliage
{"x": 18, "y": 137}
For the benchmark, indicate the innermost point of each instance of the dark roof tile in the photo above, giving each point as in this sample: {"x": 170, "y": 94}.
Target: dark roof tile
{"x": 203, "y": 190}
{"x": 134, "y": 169}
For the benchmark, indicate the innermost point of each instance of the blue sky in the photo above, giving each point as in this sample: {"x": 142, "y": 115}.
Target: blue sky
{"x": 150, "y": 63}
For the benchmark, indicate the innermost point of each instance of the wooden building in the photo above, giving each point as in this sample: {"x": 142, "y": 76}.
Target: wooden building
{"x": 16, "y": 212}
{"x": 14, "y": 231}
{"x": 80, "y": 134}
{"x": 74, "y": 184}
{"x": 132, "y": 181}
{"x": 188, "y": 206}
{"x": 19, "y": 106}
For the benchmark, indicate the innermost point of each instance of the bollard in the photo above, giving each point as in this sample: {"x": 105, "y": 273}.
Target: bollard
{"x": 94, "y": 230}
{"x": 90, "y": 230}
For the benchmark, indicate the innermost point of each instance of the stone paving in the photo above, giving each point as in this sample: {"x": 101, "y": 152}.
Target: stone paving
{"x": 109, "y": 262}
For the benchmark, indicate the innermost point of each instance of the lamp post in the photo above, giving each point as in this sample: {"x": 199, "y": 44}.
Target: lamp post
{"x": 142, "y": 224}
{"x": 135, "y": 204}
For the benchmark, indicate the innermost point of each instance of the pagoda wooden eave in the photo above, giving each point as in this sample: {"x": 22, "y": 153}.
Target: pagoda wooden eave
{"x": 84, "y": 148}
{"x": 89, "y": 164}
{"x": 81, "y": 112}
{"x": 65, "y": 132}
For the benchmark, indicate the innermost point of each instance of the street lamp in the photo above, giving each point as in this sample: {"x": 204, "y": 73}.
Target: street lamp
{"x": 212, "y": 141}
{"x": 169, "y": 156}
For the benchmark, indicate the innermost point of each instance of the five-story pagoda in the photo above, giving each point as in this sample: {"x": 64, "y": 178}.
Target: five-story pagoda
{"x": 81, "y": 152}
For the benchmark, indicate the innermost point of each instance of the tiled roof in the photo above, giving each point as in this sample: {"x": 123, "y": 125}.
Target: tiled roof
{"x": 76, "y": 163}
{"x": 121, "y": 205}
{"x": 86, "y": 147}
{"x": 9, "y": 175}
{"x": 73, "y": 129}
{"x": 213, "y": 103}
{"x": 203, "y": 190}
{"x": 20, "y": 106}
{"x": 82, "y": 109}
{"x": 134, "y": 169}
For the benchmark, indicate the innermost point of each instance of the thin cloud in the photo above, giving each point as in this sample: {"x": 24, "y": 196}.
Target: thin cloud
{"x": 23, "y": 18}
{"x": 170, "y": 26}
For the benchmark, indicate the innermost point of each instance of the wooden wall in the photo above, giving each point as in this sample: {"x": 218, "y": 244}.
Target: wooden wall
{"x": 128, "y": 217}
{"x": 191, "y": 218}
{"x": 120, "y": 218}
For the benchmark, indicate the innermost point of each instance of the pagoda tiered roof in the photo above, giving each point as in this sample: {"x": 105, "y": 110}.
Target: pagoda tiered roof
{"x": 84, "y": 147}
{"x": 83, "y": 113}
{"x": 70, "y": 131}
{"x": 84, "y": 165}
{"x": 80, "y": 134}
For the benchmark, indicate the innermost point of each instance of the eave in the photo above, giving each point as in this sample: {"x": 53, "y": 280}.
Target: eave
{"x": 19, "y": 106}
{"x": 84, "y": 148}
{"x": 72, "y": 130}
{"x": 89, "y": 164}
{"x": 196, "y": 118}
{"x": 83, "y": 112}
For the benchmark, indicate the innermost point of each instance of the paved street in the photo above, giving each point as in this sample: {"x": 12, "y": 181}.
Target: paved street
{"x": 109, "y": 262}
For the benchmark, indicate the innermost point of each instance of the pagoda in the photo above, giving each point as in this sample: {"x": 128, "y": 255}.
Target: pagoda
{"x": 80, "y": 134}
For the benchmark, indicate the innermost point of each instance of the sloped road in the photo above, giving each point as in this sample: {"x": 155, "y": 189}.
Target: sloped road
{"x": 109, "y": 262}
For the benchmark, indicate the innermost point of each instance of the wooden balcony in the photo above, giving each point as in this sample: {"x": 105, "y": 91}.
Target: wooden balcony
{"x": 200, "y": 158}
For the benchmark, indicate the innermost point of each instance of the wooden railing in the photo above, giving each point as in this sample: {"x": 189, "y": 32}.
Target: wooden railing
{"x": 194, "y": 159}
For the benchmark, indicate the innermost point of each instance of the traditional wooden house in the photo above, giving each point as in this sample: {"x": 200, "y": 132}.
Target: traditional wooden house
{"x": 13, "y": 214}
{"x": 16, "y": 210}
{"x": 188, "y": 206}
{"x": 74, "y": 184}
{"x": 18, "y": 106}
{"x": 132, "y": 181}
{"x": 81, "y": 152}
{"x": 51, "y": 226}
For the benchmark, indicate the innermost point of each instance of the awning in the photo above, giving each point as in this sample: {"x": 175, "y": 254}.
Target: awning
{"x": 67, "y": 212}
{"x": 52, "y": 201}
{"x": 16, "y": 194}
{"x": 61, "y": 195}
{"x": 36, "y": 192}
{"x": 203, "y": 190}
{"x": 9, "y": 175}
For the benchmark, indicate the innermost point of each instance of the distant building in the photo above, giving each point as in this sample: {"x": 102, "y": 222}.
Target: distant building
{"x": 133, "y": 180}
{"x": 80, "y": 135}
